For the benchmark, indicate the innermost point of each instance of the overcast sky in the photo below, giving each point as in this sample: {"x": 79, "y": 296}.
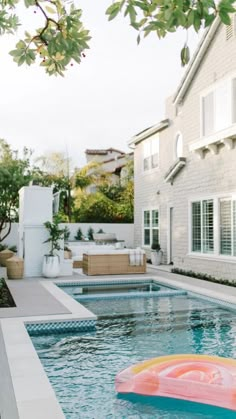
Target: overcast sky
{"x": 118, "y": 90}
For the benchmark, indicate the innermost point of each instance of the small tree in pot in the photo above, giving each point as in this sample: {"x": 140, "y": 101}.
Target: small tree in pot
{"x": 51, "y": 261}
{"x": 156, "y": 253}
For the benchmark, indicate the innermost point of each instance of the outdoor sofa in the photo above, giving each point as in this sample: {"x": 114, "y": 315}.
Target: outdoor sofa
{"x": 114, "y": 262}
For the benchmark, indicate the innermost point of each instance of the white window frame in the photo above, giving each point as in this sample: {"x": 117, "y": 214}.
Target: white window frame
{"x": 145, "y": 143}
{"x": 150, "y": 209}
{"x": 177, "y": 136}
{"x": 215, "y": 255}
{"x": 213, "y": 88}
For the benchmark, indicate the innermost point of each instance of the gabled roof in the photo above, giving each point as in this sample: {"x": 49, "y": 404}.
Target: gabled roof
{"x": 196, "y": 61}
{"x": 148, "y": 132}
{"x": 103, "y": 151}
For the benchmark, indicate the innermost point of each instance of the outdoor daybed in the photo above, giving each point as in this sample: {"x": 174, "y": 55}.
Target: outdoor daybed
{"x": 125, "y": 261}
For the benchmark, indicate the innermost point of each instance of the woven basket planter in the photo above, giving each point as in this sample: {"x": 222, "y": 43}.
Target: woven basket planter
{"x": 15, "y": 268}
{"x": 67, "y": 254}
{"x": 4, "y": 255}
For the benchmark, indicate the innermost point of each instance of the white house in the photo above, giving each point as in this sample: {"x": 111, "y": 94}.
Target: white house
{"x": 185, "y": 165}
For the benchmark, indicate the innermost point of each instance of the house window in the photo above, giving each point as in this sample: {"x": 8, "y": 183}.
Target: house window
{"x": 214, "y": 226}
{"x": 150, "y": 153}
{"x": 228, "y": 227}
{"x": 151, "y": 227}
{"x": 203, "y": 226}
{"x": 179, "y": 145}
{"x": 218, "y": 108}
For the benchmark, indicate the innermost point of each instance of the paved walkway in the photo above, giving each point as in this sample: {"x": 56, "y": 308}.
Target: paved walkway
{"x": 32, "y": 299}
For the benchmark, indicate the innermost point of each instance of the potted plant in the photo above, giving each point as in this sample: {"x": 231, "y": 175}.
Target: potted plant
{"x": 156, "y": 253}
{"x": 67, "y": 253}
{"x": 51, "y": 261}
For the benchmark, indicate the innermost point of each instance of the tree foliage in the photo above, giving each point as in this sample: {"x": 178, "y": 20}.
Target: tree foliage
{"x": 112, "y": 203}
{"x": 15, "y": 173}
{"x": 166, "y": 16}
{"x": 62, "y": 39}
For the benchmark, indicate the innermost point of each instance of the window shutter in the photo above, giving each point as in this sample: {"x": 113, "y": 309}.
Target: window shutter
{"x": 234, "y": 228}
{"x": 225, "y": 227}
{"x": 208, "y": 226}
{"x": 234, "y": 100}
{"x": 155, "y": 151}
{"x": 196, "y": 226}
{"x": 208, "y": 114}
{"x": 146, "y": 155}
{"x": 222, "y": 97}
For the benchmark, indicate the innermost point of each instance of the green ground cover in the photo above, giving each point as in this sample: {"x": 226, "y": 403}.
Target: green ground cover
{"x": 6, "y": 299}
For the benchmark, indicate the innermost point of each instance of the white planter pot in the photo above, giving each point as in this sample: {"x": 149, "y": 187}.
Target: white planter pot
{"x": 156, "y": 257}
{"x": 51, "y": 266}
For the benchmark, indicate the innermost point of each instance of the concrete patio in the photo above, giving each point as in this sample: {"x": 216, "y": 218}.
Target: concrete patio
{"x": 32, "y": 298}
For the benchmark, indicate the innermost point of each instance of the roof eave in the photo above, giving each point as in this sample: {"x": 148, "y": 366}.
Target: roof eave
{"x": 147, "y": 133}
{"x": 195, "y": 62}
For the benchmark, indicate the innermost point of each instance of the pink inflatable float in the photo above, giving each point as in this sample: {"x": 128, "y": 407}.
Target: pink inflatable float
{"x": 198, "y": 378}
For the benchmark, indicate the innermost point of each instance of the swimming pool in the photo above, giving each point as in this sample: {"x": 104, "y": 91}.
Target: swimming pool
{"x": 122, "y": 289}
{"x": 82, "y": 367}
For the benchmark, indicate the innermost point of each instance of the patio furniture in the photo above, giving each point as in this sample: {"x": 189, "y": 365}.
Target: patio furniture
{"x": 78, "y": 250}
{"x": 113, "y": 262}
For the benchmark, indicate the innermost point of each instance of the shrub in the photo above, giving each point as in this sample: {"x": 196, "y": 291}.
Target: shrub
{"x": 66, "y": 233}
{"x": 79, "y": 234}
{"x": 156, "y": 246}
{"x": 90, "y": 233}
{"x": 204, "y": 277}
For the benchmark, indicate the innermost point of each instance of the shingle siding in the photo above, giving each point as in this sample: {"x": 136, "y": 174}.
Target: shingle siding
{"x": 215, "y": 174}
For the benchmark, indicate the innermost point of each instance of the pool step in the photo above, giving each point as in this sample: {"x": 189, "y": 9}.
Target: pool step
{"x": 156, "y": 322}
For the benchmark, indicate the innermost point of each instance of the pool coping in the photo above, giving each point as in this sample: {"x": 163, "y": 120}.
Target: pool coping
{"x": 34, "y": 395}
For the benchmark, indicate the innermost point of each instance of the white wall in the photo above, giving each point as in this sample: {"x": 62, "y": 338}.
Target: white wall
{"x": 122, "y": 231}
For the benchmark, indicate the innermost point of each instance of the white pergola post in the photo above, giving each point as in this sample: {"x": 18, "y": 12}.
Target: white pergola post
{"x": 34, "y": 210}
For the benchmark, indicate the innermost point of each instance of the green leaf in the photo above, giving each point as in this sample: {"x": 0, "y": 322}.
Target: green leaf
{"x": 224, "y": 17}
{"x": 185, "y": 55}
{"x": 16, "y": 53}
{"x": 114, "y": 8}
{"x": 50, "y": 10}
{"x": 21, "y": 45}
{"x": 209, "y": 19}
{"x": 141, "y": 5}
{"x": 21, "y": 60}
{"x": 196, "y": 21}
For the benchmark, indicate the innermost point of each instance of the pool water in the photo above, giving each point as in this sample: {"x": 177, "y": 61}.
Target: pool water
{"x": 82, "y": 367}
{"x": 83, "y": 289}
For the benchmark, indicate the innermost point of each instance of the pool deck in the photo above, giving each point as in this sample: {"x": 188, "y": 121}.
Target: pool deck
{"x": 34, "y": 296}
{"x": 25, "y": 391}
